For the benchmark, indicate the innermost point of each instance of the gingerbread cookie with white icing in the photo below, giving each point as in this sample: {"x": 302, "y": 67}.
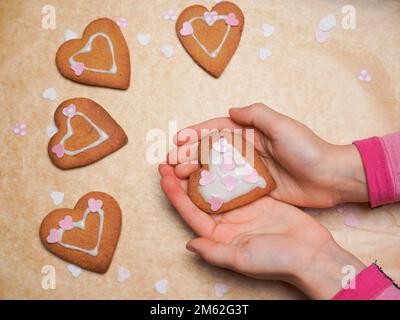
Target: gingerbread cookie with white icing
{"x": 232, "y": 174}
{"x": 86, "y": 235}
{"x": 100, "y": 58}
{"x": 86, "y": 133}
{"x": 211, "y": 37}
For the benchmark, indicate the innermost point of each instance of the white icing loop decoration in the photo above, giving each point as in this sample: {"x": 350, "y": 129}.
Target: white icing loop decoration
{"x": 227, "y": 185}
{"x": 210, "y": 18}
{"x": 88, "y": 48}
{"x": 70, "y": 112}
{"x": 55, "y": 235}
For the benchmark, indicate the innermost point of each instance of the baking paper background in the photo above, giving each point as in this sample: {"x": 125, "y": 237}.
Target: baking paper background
{"x": 312, "y": 82}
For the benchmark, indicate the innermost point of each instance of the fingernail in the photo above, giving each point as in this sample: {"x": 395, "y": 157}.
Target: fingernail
{"x": 190, "y": 248}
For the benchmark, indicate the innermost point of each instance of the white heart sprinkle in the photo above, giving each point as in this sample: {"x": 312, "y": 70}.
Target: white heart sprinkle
{"x": 167, "y": 50}
{"x": 161, "y": 286}
{"x": 75, "y": 270}
{"x": 265, "y": 53}
{"x": 57, "y": 196}
{"x": 144, "y": 39}
{"x": 123, "y": 274}
{"x": 50, "y": 94}
{"x": 51, "y": 130}
{"x": 70, "y": 35}
{"x": 220, "y": 289}
{"x": 327, "y": 23}
{"x": 268, "y": 29}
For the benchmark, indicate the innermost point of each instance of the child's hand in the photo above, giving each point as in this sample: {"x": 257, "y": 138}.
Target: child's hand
{"x": 266, "y": 239}
{"x": 309, "y": 171}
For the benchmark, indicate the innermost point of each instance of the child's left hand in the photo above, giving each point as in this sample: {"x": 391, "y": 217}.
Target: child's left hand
{"x": 266, "y": 239}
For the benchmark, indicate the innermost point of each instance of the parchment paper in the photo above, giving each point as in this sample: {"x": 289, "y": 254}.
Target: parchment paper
{"x": 312, "y": 82}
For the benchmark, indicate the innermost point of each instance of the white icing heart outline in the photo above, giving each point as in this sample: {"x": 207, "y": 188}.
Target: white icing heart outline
{"x": 81, "y": 225}
{"x": 215, "y": 53}
{"x": 70, "y": 132}
{"x": 88, "y": 47}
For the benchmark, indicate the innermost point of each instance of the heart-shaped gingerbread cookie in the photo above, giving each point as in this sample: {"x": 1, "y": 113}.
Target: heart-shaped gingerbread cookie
{"x": 100, "y": 58}
{"x": 86, "y": 235}
{"x": 211, "y": 37}
{"x": 232, "y": 174}
{"x": 86, "y": 133}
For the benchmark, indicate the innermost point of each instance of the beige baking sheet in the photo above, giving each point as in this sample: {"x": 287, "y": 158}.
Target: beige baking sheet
{"x": 315, "y": 83}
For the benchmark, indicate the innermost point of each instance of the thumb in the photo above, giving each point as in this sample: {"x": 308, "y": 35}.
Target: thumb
{"x": 259, "y": 116}
{"x": 215, "y": 253}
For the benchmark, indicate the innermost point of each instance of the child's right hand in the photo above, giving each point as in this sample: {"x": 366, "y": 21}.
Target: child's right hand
{"x": 309, "y": 171}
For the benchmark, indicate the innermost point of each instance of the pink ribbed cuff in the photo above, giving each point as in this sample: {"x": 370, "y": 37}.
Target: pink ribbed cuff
{"x": 370, "y": 284}
{"x": 378, "y": 170}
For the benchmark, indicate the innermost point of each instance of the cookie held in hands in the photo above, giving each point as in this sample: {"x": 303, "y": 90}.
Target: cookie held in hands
{"x": 86, "y": 133}
{"x": 232, "y": 174}
{"x": 86, "y": 235}
{"x": 100, "y": 58}
{"x": 211, "y": 37}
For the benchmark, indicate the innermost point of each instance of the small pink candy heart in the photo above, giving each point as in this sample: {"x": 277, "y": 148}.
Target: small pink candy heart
{"x": 231, "y": 20}
{"x": 187, "y": 29}
{"x": 252, "y": 177}
{"x": 206, "y": 178}
{"x": 70, "y": 111}
{"x": 229, "y": 182}
{"x": 54, "y": 236}
{"x": 216, "y": 203}
{"x": 122, "y": 22}
{"x": 227, "y": 164}
{"x": 78, "y": 68}
{"x": 58, "y": 149}
{"x": 351, "y": 220}
{"x": 210, "y": 17}
{"x": 66, "y": 223}
{"x": 94, "y": 205}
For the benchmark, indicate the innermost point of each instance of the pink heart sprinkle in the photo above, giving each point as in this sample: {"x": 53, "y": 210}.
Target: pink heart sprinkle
{"x": 78, "y": 68}
{"x": 229, "y": 182}
{"x": 95, "y": 205}
{"x": 216, "y": 203}
{"x": 187, "y": 29}
{"x": 70, "y": 111}
{"x": 340, "y": 208}
{"x": 206, "y": 178}
{"x": 321, "y": 36}
{"x": 311, "y": 211}
{"x": 66, "y": 223}
{"x": 210, "y": 17}
{"x": 351, "y": 220}
{"x": 252, "y": 177}
{"x": 122, "y": 22}
{"x": 58, "y": 149}
{"x": 54, "y": 236}
{"x": 231, "y": 20}
{"x": 227, "y": 164}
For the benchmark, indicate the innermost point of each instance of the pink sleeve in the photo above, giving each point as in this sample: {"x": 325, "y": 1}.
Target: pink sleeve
{"x": 370, "y": 284}
{"x": 381, "y": 160}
